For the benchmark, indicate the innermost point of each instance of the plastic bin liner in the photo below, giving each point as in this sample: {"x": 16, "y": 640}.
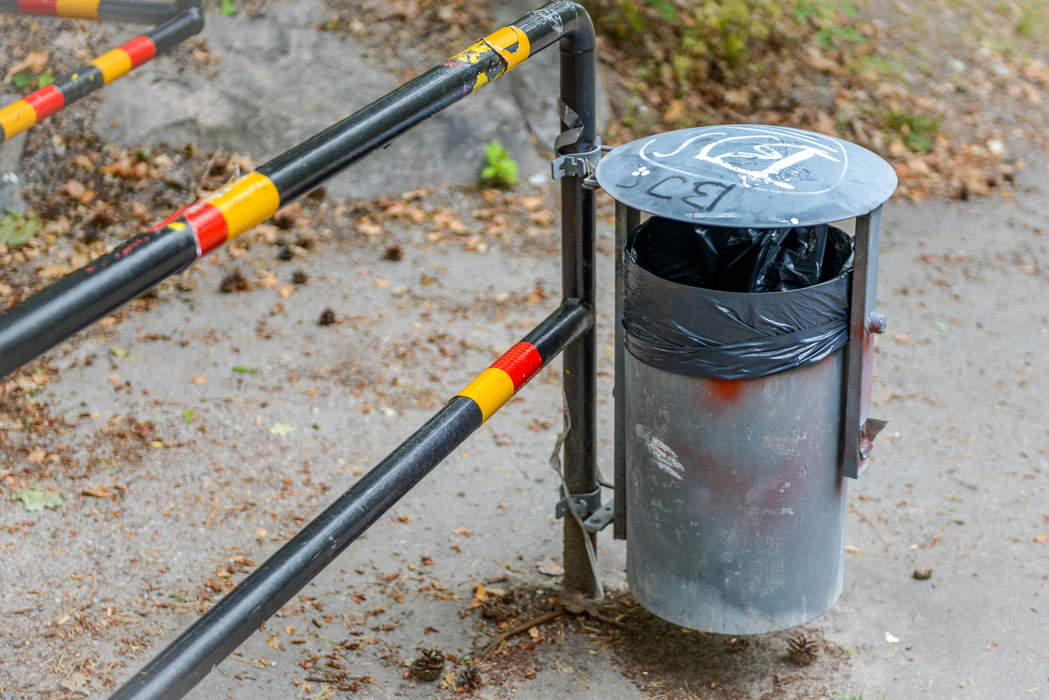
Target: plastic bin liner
{"x": 735, "y": 303}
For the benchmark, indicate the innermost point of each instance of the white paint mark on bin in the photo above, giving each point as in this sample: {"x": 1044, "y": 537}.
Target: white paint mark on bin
{"x": 664, "y": 457}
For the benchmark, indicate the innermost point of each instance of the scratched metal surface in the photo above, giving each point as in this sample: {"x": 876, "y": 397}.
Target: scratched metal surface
{"x": 747, "y": 176}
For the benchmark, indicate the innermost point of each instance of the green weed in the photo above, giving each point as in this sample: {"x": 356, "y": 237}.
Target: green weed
{"x": 917, "y": 131}
{"x": 22, "y": 79}
{"x": 831, "y": 19}
{"x": 16, "y": 229}
{"x": 665, "y": 8}
{"x": 501, "y": 170}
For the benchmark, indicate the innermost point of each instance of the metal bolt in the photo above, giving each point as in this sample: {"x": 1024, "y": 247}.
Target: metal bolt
{"x": 876, "y": 323}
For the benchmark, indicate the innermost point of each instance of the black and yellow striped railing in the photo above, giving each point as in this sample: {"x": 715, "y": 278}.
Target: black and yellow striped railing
{"x": 45, "y": 319}
{"x": 82, "y": 297}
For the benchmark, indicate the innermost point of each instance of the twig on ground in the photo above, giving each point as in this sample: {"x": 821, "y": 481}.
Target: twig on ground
{"x": 523, "y": 627}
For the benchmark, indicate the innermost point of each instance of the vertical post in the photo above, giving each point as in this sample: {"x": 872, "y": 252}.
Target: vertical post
{"x": 627, "y": 219}
{"x": 578, "y": 76}
{"x": 859, "y": 365}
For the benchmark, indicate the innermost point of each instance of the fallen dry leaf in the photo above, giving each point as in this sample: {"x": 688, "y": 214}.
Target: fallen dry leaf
{"x": 549, "y": 568}
{"x": 35, "y": 61}
{"x": 74, "y": 188}
{"x": 479, "y": 598}
{"x": 674, "y": 112}
{"x": 77, "y": 683}
{"x": 531, "y": 202}
{"x": 268, "y": 280}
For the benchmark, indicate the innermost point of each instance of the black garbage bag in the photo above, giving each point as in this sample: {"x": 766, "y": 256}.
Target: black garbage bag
{"x": 735, "y": 303}
{"x": 734, "y": 259}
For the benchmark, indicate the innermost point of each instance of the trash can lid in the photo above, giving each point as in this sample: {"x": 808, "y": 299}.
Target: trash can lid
{"x": 747, "y": 176}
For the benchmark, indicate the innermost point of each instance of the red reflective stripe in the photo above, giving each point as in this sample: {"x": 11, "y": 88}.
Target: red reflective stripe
{"x": 520, "y": 362}
{"x": 38, "y": 7}
{"x": 140, "y": 49}
{"x": 46, "y": 101}
{"x": 209, "y": 225}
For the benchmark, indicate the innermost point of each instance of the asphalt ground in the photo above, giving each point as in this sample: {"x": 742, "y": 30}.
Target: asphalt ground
{"x": 240, "y": 418}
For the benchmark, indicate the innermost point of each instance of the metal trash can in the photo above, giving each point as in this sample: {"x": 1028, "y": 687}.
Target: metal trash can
{"x": 741, "y": 410}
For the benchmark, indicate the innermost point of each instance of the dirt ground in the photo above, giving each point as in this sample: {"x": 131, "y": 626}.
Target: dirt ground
{"x": 193, "y": 432}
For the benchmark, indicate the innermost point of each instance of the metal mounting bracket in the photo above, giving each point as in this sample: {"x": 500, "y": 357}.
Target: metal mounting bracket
{"x": 585, "y": 503}
{"x": 600, "y": 518}
{"x": 582, "y": 164}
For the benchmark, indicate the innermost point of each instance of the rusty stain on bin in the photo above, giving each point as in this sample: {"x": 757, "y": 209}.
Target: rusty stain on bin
{"x": 727, "y": 390}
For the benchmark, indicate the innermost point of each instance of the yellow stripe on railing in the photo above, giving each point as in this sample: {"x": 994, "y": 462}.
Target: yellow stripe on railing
{"x": 113, "y": 64}
{"x": 245, "y": 202}
{"x": 489, "y": 391}
{"x": 84, "y": 9}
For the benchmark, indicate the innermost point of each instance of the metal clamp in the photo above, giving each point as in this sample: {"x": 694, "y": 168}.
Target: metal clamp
{"x": 600, "y": 518}
{"x": 581, "y": 164}
{"x": 585, "y": 504}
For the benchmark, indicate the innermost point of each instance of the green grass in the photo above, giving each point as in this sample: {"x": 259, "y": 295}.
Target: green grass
{"x": 917, "y": 131}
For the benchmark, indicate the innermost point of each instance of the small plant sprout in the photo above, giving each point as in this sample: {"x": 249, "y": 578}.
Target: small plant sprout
{"x": 501, "y": 170}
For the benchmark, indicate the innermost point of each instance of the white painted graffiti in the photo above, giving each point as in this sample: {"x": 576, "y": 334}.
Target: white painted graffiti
{"x": 760, "y": 157}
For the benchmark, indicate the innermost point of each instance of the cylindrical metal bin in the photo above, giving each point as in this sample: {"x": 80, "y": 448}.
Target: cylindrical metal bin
{"x": 736, "y": 504}
{"x": 733, "y": 478}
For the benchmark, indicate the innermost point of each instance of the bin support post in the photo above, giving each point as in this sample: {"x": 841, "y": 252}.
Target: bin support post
{"x": 627, "y": 219}
{"x": 578, "y": 74}
{"x": 859, "y": 366}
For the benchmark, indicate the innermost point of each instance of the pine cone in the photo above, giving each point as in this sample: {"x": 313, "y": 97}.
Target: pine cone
{"x": 468, "y": 679}
{"x": 428, "y": 665}
{"x": 802, "y": 651}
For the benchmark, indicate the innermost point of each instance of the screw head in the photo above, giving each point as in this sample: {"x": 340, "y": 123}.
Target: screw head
{"x": 876, "y": 323}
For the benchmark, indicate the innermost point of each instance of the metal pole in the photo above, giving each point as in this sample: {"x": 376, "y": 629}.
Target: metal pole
{"x": 578, "y": 80}
{"x": 79, "y": 299}
{"x": 233, "y": 619}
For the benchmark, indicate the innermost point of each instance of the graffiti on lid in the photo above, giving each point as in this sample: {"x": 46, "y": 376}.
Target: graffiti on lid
{"x": 747, "y": 175}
